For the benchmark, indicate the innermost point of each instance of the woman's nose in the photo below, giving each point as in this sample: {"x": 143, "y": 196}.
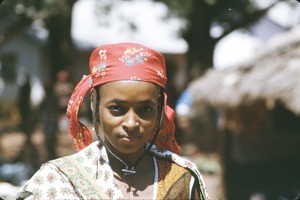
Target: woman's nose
{"x": 131, "y": 120}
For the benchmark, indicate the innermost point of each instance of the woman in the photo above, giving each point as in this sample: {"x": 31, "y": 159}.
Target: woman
{"x": 136, "y": 155}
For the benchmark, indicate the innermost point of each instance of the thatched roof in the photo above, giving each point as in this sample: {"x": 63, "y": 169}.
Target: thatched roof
{"x": 273, "y": 75}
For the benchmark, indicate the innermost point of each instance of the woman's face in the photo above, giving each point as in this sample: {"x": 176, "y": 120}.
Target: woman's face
{"x": 128, "y": 113}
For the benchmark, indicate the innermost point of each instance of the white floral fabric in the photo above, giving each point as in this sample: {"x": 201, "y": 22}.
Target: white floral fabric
{"x": 49, "y": 182}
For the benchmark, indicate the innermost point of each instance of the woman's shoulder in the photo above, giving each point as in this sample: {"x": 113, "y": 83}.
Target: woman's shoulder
{"x": 51, "y": 178}
{"x": 172, "y": 158}
{"x": 87, "y": 158}
{"x": 88, "y": 153}
{"x": 47, "y": 182}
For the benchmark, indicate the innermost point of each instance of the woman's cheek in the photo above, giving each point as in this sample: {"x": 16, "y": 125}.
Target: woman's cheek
{"x": 150, "y": 127}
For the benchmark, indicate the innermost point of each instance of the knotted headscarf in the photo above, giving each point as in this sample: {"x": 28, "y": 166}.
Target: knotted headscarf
{"x": 122, "y": 61}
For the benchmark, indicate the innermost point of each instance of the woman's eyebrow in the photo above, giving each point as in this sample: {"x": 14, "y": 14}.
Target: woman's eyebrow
{"x": 146, "y": 101}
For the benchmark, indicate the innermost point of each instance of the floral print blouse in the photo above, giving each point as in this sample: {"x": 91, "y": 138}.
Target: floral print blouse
{"x": 49, "y": 182}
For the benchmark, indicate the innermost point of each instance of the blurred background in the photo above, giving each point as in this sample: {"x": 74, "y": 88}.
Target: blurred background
{"x": 233, "y": 79}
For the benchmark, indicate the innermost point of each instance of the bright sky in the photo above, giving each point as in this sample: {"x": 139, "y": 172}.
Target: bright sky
{"x": 238, "y": 47}
{"x": 89, "y": 28}
{"x": 235, "y": 48}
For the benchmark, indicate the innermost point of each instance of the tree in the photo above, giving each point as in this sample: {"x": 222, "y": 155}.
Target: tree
{"x": 202, "y": 15}
{"x": 56, "y": 15}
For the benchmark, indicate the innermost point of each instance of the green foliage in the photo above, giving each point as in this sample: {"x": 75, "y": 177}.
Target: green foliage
{"x": 178, "y": 7}
{"x": 11, "y": 17}
{"x": 200, "y": 15}
{"x": 35, "y": 9}
{"x": 15, "y": 14}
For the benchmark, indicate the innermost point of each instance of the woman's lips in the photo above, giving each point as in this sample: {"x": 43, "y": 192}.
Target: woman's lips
{"x": 129, "y": 138}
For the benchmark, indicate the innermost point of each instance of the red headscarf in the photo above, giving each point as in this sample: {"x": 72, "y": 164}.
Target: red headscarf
{"x": 122, "y": 61}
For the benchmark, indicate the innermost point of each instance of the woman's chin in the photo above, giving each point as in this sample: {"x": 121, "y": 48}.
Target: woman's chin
{"x": 130, "y": 148}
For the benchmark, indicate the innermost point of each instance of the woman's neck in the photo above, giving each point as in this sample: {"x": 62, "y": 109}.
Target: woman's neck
{"x": 128, "y": 161}
{"x": 128, "y": 158}
{"x": 145, "y": 166}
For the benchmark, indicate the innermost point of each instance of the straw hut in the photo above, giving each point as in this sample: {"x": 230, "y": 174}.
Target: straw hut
{"x": 259, "y": 118}
{"x": 273, "y": 75}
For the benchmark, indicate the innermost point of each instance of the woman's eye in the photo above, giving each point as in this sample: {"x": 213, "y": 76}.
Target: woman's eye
{"x": 115, "y": 108}
{"x": 146, "y": 109}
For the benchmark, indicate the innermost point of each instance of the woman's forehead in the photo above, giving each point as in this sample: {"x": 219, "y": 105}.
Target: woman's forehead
{"x": 129, "y": 89}
{"x": 130, "y": 84}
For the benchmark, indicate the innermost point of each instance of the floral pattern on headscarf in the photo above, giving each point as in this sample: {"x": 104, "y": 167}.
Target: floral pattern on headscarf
{"x": 122, "y": 61}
